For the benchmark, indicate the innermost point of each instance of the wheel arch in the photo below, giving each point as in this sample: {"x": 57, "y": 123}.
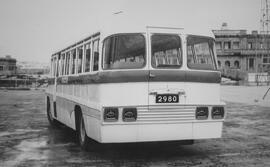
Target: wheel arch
{"x": 48, "y": 103}
{"x": 77, "y": 114}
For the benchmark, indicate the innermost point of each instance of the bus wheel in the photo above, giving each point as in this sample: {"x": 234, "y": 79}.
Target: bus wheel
{"x": 51, "y": 120}
{"x": 84, "y": 141}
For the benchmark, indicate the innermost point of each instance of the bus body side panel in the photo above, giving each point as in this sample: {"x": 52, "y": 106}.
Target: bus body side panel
{"x": 120, "y": 133}
{"x": 49, "y": 93}
{"x": 205, "y": 94}
{"x": 124, "y": 94}
{"x": 202, "y": 93}
{"x": 170, "y": 121}
{"x": 63, "y": 105}
{"x": 86, "y": 97}
{"x": 65, "y": 110}
{"x": 121, "y": 95}
{"x": 146, "y": 132}
{"x": 109, "y": 95}
{"x": 207, "y": 130}
{"x": 166, "y": 121}
{"x": 93, "y": 126}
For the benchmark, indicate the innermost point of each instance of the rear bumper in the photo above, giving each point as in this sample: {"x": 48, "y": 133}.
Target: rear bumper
{"x": 160, "y": 132}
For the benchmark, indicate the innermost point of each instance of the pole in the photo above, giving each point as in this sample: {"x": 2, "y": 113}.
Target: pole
{"x": 266, "y": 93}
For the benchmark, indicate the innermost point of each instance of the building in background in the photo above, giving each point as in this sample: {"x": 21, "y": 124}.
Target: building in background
{"x": 33, "y": 68}
{"x": 16, "y": 74}
{"x": 241, "y": 54}
{"x": 239, "y": 50}
{"x": 7, "y": 65}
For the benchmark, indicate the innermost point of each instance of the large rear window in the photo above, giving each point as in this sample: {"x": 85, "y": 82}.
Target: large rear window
{"x": 200, "y": 54}
{"x": 166, "y": 51}
{"x": 124, "y": 51}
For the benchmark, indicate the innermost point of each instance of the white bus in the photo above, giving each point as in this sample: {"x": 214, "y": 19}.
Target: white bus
{"x": 149, "y": 84}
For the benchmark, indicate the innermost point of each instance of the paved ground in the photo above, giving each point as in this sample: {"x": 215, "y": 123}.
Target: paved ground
{"x": 27, "y": 140}
{"x": 250, "y": 95}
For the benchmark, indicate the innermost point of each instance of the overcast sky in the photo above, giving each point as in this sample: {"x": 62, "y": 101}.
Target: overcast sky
{"x": 31, "y": 30}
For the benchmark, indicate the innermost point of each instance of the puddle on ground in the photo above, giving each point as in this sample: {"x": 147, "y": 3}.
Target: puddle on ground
{"x": 21, "y": 109}
{"x": 29, "y": 150}
{"x": 37, "y": 151}
{"x": 17, "y": 132}
{"x": 27, "y": 102}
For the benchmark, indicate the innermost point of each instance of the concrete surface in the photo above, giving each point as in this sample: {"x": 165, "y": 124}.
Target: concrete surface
{"x": 26, "y": 139}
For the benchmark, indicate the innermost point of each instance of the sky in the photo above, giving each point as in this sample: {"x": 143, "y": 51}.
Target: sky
{"x": 32, "y": 30}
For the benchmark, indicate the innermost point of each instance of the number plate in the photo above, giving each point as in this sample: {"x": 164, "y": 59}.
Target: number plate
{"x": 167, "y": 98}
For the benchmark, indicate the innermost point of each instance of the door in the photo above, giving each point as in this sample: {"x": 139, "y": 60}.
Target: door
{"x": 166, "y": 75}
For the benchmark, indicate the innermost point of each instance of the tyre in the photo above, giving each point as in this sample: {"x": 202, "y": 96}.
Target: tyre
{"x": 84, "y": 140}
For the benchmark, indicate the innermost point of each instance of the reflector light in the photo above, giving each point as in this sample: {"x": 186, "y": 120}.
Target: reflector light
{"x": 110, "y": 114}
{"x": 201, "y": 113}
{"x": 217, "y": 112}
{"x": 129, "y": 114}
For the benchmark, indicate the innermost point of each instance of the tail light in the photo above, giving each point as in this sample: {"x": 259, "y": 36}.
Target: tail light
{"x": 129, "y": 114}
{"x": 217, "y": 112}
{"x": 110, "y": 114}
{"x": 201, "y": 113}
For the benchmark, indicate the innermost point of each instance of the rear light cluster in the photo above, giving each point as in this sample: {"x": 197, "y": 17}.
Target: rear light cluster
{"x": 111, "y": 114}
{"x": 129, "y": 114}
{"x": 217, "y": 112}
{"x": 202, "y": 113}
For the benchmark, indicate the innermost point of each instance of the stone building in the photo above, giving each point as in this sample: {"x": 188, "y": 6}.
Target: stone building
{"x": 7, "y": 65}
{"x": 248, "y": 53}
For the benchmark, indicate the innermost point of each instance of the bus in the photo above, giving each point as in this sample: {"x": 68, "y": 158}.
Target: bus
{"x": 137, "y": 85}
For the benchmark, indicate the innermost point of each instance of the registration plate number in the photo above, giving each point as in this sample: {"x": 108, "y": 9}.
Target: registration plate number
{"x": 167, "y": 98}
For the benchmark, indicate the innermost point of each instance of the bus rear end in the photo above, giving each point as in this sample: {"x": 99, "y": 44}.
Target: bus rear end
{"x": 172, "y": 93}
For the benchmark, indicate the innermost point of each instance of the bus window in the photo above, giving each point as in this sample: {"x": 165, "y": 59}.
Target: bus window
{"x": 80, "y": 56}
{"x": 57, "y": 64}
{"x": 166, "y": 51}
{"x": 67, "y": 63}
{"x": 125, "y": 51}
{"x": 63, "y": 64}
{"x": 52, "y": 67}
{"x": 73, "y": 61}
{"x": 96, "y": 55}
{"x": 87, "y": 57}
{"x": 200, "y": 54}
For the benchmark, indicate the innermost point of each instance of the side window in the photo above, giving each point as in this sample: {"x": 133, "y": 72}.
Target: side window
{"x": 124, "y": 51}
{"x": 58, "y": 65}
{"x": 166, "y": 51}
{"x": 80, "y": 56}
{"x": 73, "y": 61}
{"x": 55, "y": 66}
{"x": 95, "y": 55}
{"x": 87, "y": 57}
{"x": 63, "y": 64}
{"x": 52, "y": 67}
{"x": 67, "y": 63}
{"x": 200, "y": 53}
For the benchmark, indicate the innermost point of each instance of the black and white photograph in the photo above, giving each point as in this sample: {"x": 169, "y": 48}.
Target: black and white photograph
{"x": 125, "y": 83}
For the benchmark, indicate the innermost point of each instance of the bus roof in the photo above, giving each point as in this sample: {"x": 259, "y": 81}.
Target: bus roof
{"x": 143, "y": 28}
{"x": 109, "y": 29}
